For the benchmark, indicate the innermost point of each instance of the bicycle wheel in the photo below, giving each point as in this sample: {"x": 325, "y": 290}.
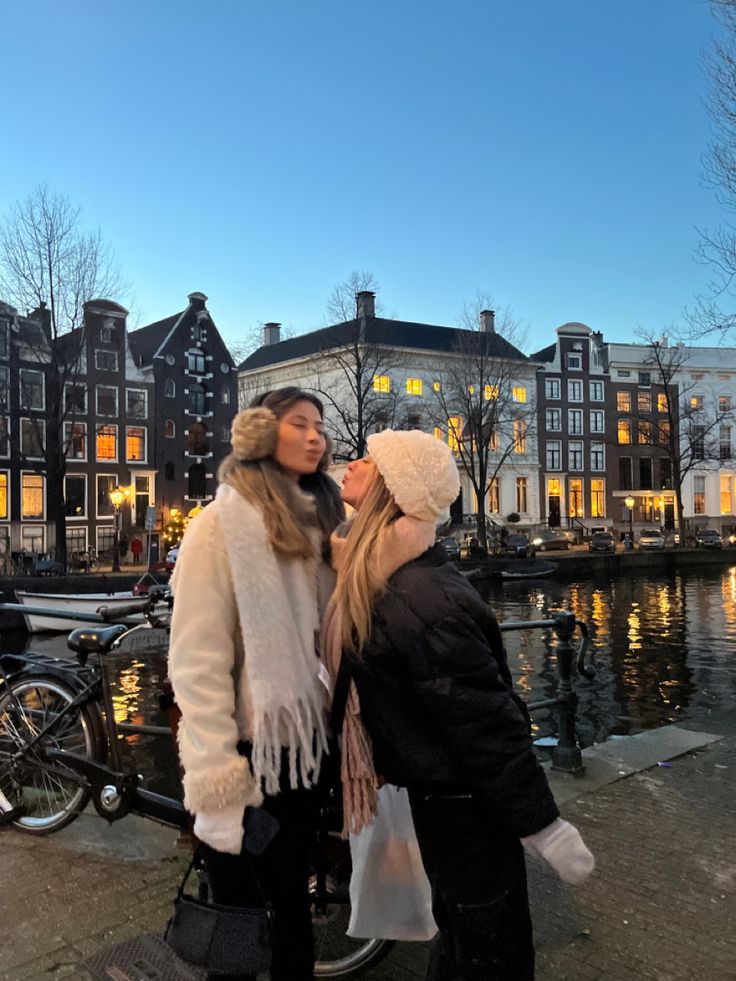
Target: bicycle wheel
{"x": 50, "y": 795}
{"x": 336, "y": 954}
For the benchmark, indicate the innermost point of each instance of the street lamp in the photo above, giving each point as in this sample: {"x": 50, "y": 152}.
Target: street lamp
{"x": 117, "y": 496}
{"x": 630, "y": 502}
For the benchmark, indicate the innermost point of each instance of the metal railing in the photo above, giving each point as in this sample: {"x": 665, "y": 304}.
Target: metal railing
{"x": 566, "y": 756}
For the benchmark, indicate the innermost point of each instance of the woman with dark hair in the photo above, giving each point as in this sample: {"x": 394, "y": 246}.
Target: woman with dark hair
{"x": 245, "y": 667}
{"x": 433, "y": 690}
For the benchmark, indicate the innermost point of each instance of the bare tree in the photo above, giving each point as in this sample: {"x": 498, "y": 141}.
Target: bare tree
{"x": 689, "y": 434}
{"x": 357, "y": 371}
{"x": 340, "y": 305}
{"x": 48, "y": 263}
{"x": 479, "y": 404}
{"x": 250, "y": 341}
{"x": 717, "y": 248}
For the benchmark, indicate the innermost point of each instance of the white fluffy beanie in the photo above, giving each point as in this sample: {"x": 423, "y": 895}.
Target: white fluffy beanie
{"x": 419, "y": 470}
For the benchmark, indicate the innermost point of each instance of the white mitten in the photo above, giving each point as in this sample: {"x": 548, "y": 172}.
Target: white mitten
{"x": 222, "y": 829}
{"x": 560, "y": 844}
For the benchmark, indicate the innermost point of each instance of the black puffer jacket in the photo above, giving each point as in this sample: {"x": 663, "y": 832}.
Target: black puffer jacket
{"x": 436, "y": 698}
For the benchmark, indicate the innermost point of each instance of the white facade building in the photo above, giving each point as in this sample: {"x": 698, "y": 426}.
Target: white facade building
{"x": 405, "y": 365}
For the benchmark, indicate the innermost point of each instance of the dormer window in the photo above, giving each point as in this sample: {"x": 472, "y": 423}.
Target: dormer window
{"x": 574, "y": 362}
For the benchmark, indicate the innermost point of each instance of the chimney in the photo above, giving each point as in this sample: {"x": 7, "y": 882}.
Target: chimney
{"x": 488, "y": 321}
{"x": 197, "y": 300}
{"x": 271, "y": 333}
{"x": 43, "y": 315}
{"x": 365, "y": 304}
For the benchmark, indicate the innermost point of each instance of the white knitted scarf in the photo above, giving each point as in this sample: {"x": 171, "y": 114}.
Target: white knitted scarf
{"x": 279, "y": 620}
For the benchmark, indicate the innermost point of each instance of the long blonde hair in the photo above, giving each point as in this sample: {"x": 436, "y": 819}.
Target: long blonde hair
{"x": 360, "y": 579}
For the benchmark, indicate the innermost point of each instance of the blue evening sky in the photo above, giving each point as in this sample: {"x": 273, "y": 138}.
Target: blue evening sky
{"x": 546, "y": 153}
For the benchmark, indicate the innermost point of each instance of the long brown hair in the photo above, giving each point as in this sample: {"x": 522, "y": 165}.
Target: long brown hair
{"x": 293, "y": 518}
{"x": 360, "y": 579}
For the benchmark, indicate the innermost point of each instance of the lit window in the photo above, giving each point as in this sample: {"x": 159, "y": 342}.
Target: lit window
{"x": 521, "y": 488}
{"x": 644, "y": 401}
{"x": 520, "y": 428}
{"x": 490, "y": 392}
{"x": 454, "y": 433}
{"x": 664, "y": 432}
{"x": 696, "y": 402}
{"x": 471, "y": 389}
{"x": 575, "y": 498}
{"x": 662, "y": 402}
{"x": 699, "y": 495}
{"x": 437, "y": 386}
{"x": 437, "y": 432}
{"x": 4, "y": 495}
{"x": 32, "y": 495}
{"x": 597, "y": 498}
{"x": 413, "y": 386}
{"x": 645, "y": 431}
{"x": 107, "y": 443}
{"x": 135, "y": 444}
{"x": 623, "y": 401}
{"x": 381, "y": 383}
{"x": 494, "y": 497}
{"x": 624, "y": 431}
{"x": 726, "y": 495}
{"x": 518, "y": 393}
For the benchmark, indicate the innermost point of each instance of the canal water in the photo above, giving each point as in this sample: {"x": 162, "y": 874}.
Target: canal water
{"x": 664, "y": 650}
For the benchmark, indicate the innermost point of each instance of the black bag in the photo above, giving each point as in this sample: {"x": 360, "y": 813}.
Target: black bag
{"x": 223, "y": 939}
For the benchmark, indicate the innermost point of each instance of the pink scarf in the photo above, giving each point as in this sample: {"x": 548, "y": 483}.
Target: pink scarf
{"x": 406, "y": 539}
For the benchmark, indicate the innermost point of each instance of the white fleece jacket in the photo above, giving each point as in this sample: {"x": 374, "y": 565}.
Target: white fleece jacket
{"x": 208, "y": 660}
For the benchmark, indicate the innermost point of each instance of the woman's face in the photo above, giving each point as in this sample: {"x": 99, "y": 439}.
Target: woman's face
{"x": 356, "y": 481}
{"x": 301, "y": 442}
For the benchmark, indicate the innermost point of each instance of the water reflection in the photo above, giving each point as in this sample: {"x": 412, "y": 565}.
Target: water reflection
{"x": 663, "y": 648}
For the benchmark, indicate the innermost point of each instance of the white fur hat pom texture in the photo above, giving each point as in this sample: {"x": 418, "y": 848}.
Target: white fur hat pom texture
{"x": 418, "y": 469}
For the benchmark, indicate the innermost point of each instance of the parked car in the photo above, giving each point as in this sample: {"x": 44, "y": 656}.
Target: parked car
{"x": 519, "y": 546}
{"x": 708, "y": 538}
{"x": 553, "y": 538}
{"x": 653, "y": 539}
{"x": 451, "y": 546}
{"x": 602, "y": 541}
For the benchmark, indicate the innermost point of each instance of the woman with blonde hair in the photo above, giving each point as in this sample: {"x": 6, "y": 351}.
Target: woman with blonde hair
{"x": 245, "y": 666}
{"x": 433, "y": 692}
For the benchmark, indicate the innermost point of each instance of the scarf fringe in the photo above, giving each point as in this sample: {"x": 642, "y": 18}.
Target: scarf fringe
{"x": 301, "y": 726}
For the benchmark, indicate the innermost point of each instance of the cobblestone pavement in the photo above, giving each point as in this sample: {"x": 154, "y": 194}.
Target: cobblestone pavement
{"x": 661, "y": 905}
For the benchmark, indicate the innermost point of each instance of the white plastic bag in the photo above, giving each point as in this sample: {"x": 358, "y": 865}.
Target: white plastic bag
{"x": 390, "y": 895}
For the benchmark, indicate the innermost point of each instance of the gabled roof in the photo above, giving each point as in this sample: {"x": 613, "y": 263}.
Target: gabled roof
{"x": 146, "y": 341}
{"x": 546, "y": 354}
{"x": 380, "y": 332}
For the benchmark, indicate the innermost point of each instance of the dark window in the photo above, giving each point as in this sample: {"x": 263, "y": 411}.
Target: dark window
{"x": 645, "y": 473}
{"x": 169, "y": 472}
{"x": 4, "y": 338}
{"x": 197, "y": 480}
{"x": 31, "y": 389}
{"x": 195, "y": 362}
{"x": 665, "y": 473}
{"x": 4, "y": 388}
{"x": 76, "y": 398}
{"x": 75, "y": 503}
{"x": 197, "y": 400}
{"x": 197, "y": 439}
{"x": 106, "y": 360}
{"x": 105, "y": 483}
{"x": 624, "y": 473}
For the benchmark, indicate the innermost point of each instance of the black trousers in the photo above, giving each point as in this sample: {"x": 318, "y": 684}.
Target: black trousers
{"x": 283, "y": 871}
{"x": 479, "y": 893}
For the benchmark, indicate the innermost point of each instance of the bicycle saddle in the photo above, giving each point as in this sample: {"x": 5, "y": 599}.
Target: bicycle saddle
{"x": 95, "y": 640}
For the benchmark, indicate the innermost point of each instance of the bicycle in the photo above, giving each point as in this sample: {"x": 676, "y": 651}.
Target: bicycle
{"x": 61, "y": 746}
